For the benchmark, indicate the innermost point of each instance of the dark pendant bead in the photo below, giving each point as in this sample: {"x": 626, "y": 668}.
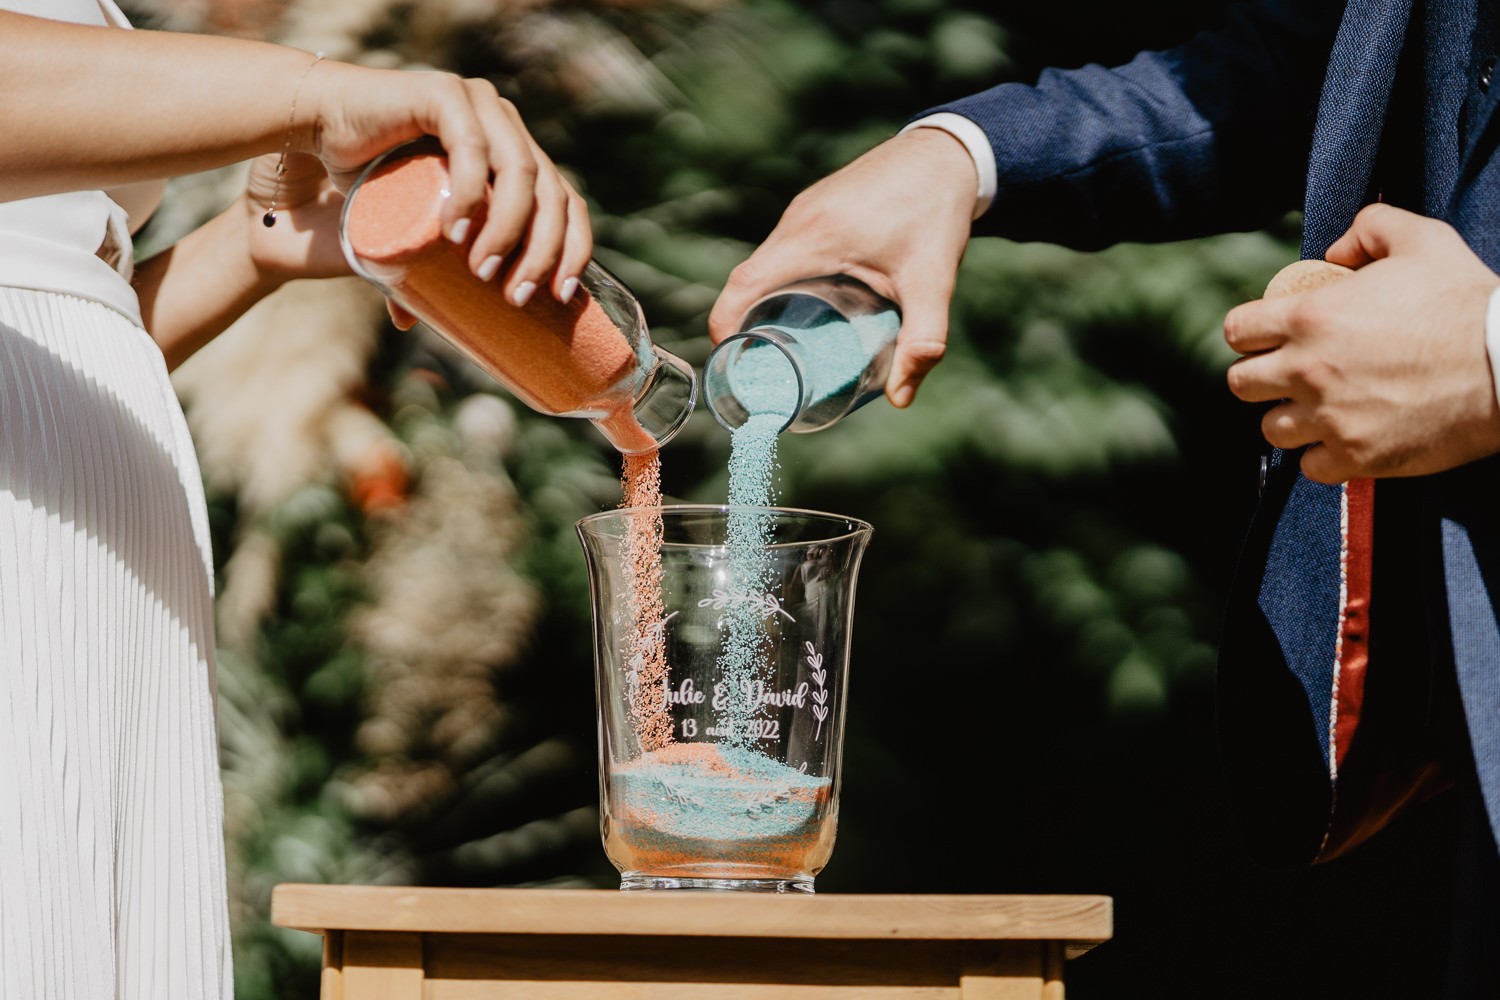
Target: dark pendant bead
{"x": 269, "y": 219}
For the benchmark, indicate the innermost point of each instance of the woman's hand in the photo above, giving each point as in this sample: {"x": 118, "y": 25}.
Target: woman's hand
{"x": 163, "y": 104}
{"x": 304, "y": 242}
{"x": 354, "y": 114}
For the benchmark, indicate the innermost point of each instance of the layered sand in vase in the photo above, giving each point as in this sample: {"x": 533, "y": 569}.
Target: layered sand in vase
{"x": 701, "y": 809}
{"x": 565, "y": 359}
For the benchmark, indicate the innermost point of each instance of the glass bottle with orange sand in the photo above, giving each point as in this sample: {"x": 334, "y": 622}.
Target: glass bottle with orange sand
{"x": 591, "y": 357}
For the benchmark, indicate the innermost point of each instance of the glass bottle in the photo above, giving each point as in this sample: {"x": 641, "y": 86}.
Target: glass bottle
{"x": 813, "y": 352}
{"x": 591, "y": 357}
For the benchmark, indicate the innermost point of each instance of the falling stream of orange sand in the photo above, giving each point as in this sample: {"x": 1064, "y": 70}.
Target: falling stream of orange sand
{"x": 647, "y": 654}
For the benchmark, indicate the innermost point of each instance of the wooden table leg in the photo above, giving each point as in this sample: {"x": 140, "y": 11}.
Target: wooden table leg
{"x": 331, "y": 984}
{"x": 381, "y": 965}
{"x": 1016, "y": 970}
{"x": 1052, "y": 971}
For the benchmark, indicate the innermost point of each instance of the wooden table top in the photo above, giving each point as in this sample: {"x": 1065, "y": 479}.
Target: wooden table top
{"x": 1079, "y": 921}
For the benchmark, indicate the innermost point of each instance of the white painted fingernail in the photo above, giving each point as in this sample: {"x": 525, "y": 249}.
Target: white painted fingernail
{"x": 523, "y": 293}
{"x": 489, "y": 268}
{"x": 459, "y": 231}
{"x": 568, "y": 288}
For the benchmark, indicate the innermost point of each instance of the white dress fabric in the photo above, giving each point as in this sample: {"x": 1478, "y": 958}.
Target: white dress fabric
{"x": 112, "y": 876}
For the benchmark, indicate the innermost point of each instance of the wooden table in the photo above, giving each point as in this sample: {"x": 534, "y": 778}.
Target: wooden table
{"x": 396, "y": 943}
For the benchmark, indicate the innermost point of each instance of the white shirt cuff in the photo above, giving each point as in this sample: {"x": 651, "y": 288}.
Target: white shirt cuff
{"x": 1492, "y": 336}
{"x": 978, "y": 145}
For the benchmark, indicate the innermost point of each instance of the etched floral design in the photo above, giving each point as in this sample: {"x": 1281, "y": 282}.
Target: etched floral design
{"x": 819, "y": 677}
{"x": 770, "y": 604}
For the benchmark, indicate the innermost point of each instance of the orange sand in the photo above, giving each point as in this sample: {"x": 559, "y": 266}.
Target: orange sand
{"x": 561, "y": 359}
{"x": 641, "y": 487}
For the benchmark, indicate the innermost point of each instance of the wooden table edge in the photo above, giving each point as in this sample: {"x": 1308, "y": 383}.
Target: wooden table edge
{"x": 1079, "y": 921}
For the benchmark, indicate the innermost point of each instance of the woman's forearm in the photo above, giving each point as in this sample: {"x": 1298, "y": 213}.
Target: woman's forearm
{"x": 192, "y": 291}
{"x": 86, "y": 107}
{"x": 93, "y": 107}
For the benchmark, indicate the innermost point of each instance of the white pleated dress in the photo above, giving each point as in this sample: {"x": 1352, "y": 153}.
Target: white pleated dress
{"x": 112, "y": 878}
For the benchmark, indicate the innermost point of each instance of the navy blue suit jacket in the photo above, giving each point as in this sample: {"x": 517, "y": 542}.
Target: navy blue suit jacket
{"x": 1325, "y": 106}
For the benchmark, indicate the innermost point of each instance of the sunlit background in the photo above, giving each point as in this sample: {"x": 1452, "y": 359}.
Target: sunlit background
{"x": 405, "y": 688}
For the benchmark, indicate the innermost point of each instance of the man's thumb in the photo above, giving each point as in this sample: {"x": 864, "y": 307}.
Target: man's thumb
{"x": 1377, "y": 232}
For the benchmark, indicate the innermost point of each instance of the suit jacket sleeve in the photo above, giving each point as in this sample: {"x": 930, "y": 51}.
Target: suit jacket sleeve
{"x": 1210, "y": 136}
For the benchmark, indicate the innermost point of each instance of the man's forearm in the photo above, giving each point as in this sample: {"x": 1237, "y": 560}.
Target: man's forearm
{"x": 1209, "y": 136}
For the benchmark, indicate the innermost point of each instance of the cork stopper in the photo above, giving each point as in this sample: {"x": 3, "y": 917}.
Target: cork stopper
{"x": 1304, "y": 276}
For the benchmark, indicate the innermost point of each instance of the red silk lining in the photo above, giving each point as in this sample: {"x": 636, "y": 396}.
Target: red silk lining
{"x": 1354, "y": 622}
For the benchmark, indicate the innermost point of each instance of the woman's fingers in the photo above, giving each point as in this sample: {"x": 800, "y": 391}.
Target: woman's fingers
{"x": 468, "y": 148}
{"x": 539, "y": 253}
{"x": 508, "y": 204}
{"x": 512, "y": 172}
{"x": 578, "y": 246}
{"x": 402, "y": 319}
{"x": 535, "y": 223}
{"x": 302, "y": 179}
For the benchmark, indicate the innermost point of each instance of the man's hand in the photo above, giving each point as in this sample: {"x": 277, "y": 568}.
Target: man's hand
{"x": 1385, "y": 372}
{"x": 897, "y": 219}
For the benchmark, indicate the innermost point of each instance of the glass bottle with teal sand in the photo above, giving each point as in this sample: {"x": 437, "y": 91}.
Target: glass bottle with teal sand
{"x": 812, "y": 353}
